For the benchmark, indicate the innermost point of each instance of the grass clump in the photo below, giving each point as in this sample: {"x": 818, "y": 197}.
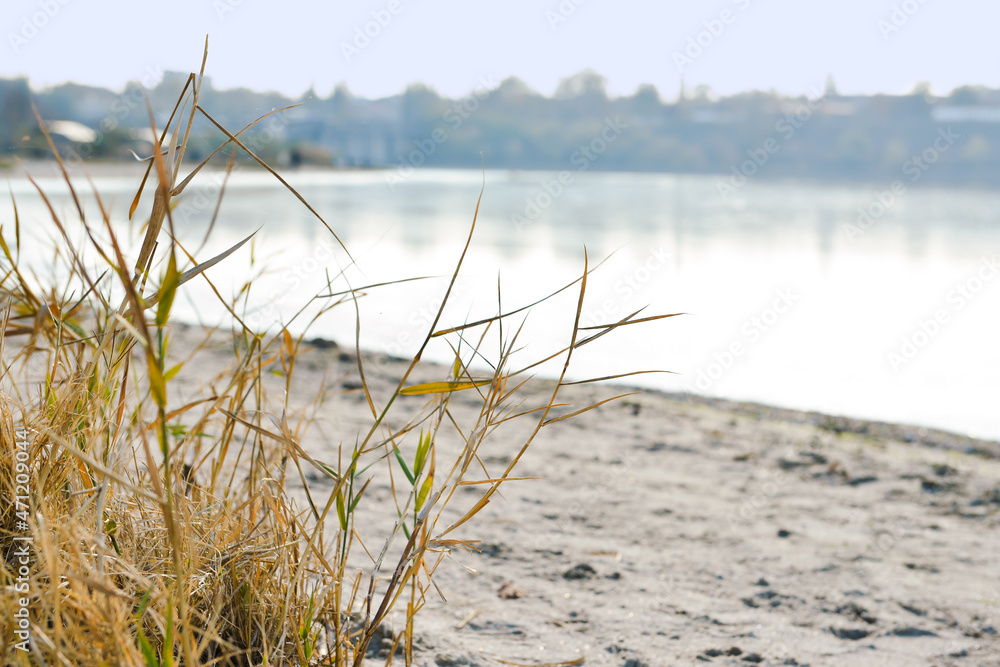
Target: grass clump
{"x": 142, "y": 527}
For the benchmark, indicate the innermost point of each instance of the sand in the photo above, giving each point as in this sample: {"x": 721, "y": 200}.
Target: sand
{"x": 676, "y": 529}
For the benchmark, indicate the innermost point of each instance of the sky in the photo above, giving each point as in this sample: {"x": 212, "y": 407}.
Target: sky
{"x": 456, "y": 46}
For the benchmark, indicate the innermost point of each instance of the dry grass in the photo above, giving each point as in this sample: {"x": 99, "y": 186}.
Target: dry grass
{"x": 121, "y": 558}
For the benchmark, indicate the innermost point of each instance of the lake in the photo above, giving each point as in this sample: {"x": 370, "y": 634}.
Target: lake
{"x": 847, "y": 299}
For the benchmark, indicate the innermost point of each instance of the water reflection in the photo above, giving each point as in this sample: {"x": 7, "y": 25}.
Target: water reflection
{"x": 677, "y": 245}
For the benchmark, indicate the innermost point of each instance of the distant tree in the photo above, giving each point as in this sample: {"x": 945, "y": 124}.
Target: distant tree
{"x": 830, "y": 89}
{"x": 342, "y": 92}
{"x": 587, "y": 83}
{"x": 60, "y": 102}
{"x": 965, "y": 95}
{"x": 422, "y": 107}
{"x": 310, "y": 94}
{"x": 703, "y": 93}
{"x": 517, "y": 127}
{"x": 646, "y": 99}
{"x": 922, "y": 89}
{"x": 513, "y": 88}
{"x": 342, "y": 101}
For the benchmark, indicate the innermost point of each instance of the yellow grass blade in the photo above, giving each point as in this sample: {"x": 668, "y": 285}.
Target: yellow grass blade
{"x": 568, "y": 663}
{"x": 466, "y": 482}
{"x": 163, "y": 136}
{"x": 613, "y": 377}
{"x": 169, "y": 288}
{"x": 154, "y": 299}
{"x": 280, "y": 179}
{"x": 621, "y": 323}
{"x": 58, "y": 158}
{"x": 587, "y": 409}
{"x": 522, "y": 309}
{"x": 179, "y": 188}
{"x": 442, "y": 387}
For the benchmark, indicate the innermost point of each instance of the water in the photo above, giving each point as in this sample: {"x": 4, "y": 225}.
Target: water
{"x": 788, "y": 299}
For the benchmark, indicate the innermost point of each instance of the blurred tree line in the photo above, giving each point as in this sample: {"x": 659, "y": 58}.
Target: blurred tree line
{"x": 824, "y": 135}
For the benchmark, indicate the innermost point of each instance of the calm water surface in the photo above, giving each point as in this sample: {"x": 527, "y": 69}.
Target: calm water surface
{"x": 788, "y": 299}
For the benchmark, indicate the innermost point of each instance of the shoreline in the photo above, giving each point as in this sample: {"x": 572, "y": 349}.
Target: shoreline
{"x": 916, "y": 434}
{"x": 121, "y": 168}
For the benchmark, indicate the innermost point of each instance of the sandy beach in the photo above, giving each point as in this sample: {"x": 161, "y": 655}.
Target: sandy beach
{"x": 674, "y": 529}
